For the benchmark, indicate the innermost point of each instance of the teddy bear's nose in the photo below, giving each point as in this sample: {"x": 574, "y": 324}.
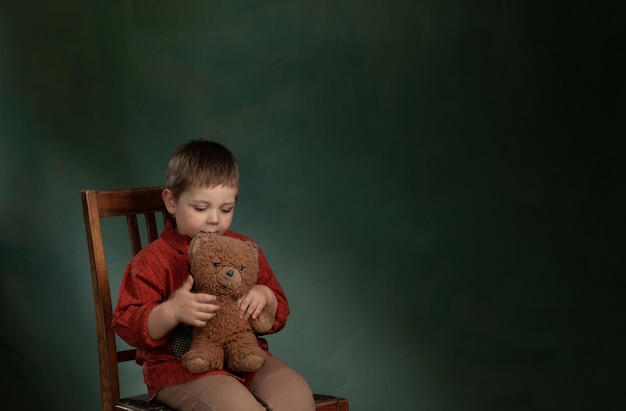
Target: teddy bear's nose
{"x": 230, "y": 273}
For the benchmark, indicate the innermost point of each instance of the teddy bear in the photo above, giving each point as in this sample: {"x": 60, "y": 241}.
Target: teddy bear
{"x": 227, "y": 268}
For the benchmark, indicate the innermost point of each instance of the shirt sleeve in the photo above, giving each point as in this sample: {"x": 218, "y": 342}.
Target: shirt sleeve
{"x": 140, "y": 291}
{"x": 266, "y": 277}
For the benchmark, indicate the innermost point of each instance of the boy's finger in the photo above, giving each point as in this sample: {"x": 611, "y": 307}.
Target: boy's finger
{"x": 205, "y": 298}
{"x": 188, "y": 284}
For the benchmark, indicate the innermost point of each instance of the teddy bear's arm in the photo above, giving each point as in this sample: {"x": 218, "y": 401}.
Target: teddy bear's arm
{"x": 263, "y": 322}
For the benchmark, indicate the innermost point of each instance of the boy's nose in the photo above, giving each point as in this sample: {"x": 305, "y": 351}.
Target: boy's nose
{"x": 213, "y": 217}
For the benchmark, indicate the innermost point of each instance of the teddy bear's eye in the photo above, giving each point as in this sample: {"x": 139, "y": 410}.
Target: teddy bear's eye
{"x": 216, "y": 264}
{"x": 241, "y": 268}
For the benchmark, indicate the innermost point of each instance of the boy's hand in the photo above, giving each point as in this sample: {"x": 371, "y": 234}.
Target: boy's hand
{"x": 253, "y": 302}
{"x": 194, "y": 309}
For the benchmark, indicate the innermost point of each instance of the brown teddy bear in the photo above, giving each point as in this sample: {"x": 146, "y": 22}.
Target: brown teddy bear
{"x": 227, "y": 268}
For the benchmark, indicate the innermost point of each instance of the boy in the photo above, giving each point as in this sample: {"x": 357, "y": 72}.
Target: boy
{"x": 156, "y": 299}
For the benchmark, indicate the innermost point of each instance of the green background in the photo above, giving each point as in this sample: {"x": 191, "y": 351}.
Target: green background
{"x": 437, "y": 185}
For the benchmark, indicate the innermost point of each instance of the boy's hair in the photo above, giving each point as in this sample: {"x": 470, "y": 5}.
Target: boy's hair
{"x": 201, "y": 163}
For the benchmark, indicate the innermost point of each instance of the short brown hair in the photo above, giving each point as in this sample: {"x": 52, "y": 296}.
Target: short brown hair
{"x": 201, "y": 163}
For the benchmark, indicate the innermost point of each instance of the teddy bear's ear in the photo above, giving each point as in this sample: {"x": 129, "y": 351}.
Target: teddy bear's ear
{"x": 193, "y": 246}
{"x": 253, "y": 246}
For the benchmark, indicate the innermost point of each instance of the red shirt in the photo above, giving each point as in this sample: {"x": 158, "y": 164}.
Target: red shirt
{"x": 149, "y": 279}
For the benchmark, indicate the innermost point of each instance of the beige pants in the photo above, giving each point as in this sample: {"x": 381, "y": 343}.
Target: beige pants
{"x": 276, "y": 385}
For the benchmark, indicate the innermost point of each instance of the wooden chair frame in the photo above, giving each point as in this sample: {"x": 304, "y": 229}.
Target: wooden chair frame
{"x": 130, "y": 203}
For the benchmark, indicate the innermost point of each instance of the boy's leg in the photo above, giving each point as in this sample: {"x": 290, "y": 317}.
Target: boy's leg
{"x": 281, "y": 387}
{"x": 215, "y": 392}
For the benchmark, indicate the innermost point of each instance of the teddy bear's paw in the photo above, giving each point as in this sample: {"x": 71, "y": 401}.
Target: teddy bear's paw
{"x": 263, "y": 322}
{"x": 199, "y": 365}
{"x": 247, "y": 364}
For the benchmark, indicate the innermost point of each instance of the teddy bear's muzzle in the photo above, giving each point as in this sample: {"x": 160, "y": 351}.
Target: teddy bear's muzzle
{"x": 230, "y": 278}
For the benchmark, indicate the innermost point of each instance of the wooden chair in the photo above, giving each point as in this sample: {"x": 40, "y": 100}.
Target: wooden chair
{"x": 129, "y": 204}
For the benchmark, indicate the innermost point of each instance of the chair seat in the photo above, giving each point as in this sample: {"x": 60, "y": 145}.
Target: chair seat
{"x": 140, "y": 403}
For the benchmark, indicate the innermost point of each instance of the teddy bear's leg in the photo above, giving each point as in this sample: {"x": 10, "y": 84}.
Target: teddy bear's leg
{"x": 244, "y": 354}
{"x": 204, "y": 355}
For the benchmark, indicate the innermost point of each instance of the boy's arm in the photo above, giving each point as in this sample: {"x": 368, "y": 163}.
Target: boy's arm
{"x": 266, "y": 277}
{"x": 137, "y": 297}
{"x": 143, "y": 319}
{"x": 182, "y": 307}
{"x": 161, "y": 320}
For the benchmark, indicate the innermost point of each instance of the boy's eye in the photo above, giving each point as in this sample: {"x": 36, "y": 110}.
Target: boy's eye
{"x": 226, "y": 210}
{"x": 216, "y": 264}
{"x": 199, "y": 208}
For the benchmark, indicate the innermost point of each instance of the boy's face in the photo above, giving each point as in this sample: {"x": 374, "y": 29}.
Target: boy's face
{"x": 202, "y": 209}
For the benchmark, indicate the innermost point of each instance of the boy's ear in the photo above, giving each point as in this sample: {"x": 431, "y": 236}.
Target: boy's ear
{"x": 169, "y": 200}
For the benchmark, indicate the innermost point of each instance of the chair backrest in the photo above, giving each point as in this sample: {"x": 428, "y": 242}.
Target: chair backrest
{"x": 115, "y": 203}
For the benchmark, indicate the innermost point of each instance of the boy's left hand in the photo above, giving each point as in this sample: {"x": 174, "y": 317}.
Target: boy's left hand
{"x": 253, "y": 302}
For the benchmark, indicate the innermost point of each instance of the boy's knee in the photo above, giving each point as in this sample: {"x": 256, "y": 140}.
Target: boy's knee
{"x": 283, "y": 388}
{"x": 296, "y": 395}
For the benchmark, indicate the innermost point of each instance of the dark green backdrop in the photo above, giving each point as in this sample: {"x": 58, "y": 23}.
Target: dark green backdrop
{"x": 437, "y": 185}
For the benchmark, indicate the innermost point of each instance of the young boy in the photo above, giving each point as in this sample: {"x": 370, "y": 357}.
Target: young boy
{"x": 156, "y": 299}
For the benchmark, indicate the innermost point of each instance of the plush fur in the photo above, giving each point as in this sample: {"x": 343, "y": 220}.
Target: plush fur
{"x": 227, "y": 268}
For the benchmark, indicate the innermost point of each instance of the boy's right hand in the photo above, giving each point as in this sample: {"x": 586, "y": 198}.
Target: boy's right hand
{"x": 191, "y": 308}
